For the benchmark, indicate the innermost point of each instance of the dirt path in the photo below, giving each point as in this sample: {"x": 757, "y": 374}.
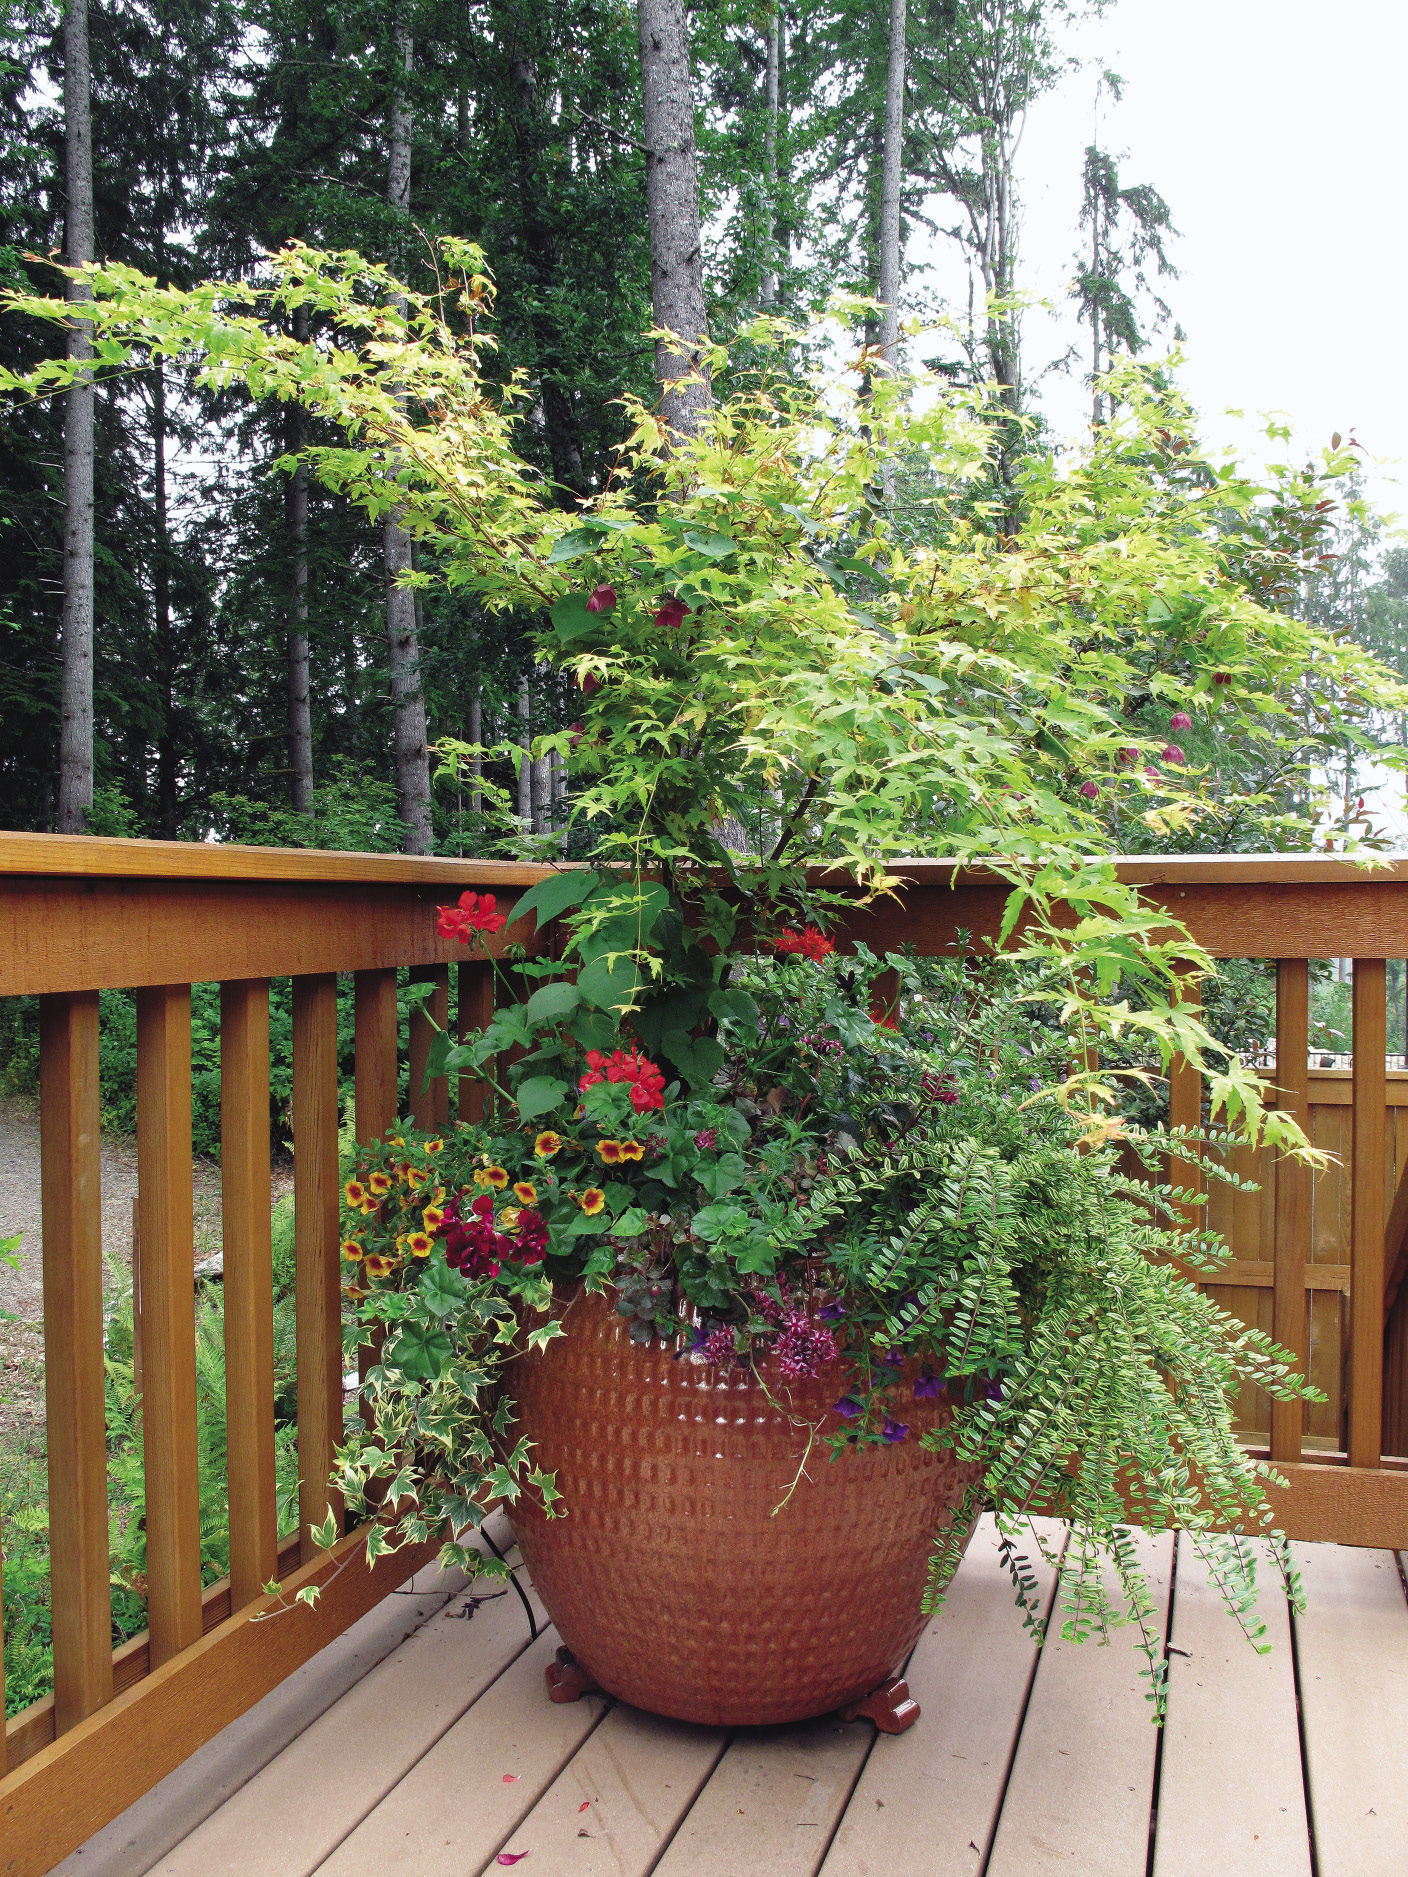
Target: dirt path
{"x": 22, "y": 1290}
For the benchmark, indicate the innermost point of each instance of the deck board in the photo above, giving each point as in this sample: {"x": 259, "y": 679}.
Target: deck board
{"x": 1353, "y": 1647}
{"x": 446, "y": 1752}
{"x": 1221, "y": 1811}
{"x": 1082, "y": 1781}
{"x": 927, "y": 1802}
{"x": 454, "y": 1810}
{"x": 357, "y": 1751}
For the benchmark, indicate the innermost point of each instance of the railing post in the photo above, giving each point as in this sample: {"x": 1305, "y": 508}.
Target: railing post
{"x": 1291, "y": 1243}
{"x": 167, "y": 1253}
{"x": 73, "y": 1362}
{"x": 317, "y": 1280}
{"x": 249, "y": 1285}
{"x": 1366, "y": 1281}
{"x": 374, "y": 1006}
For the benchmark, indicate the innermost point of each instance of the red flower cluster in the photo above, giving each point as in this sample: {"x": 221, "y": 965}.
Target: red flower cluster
{"x": 475, "y": 913}
{"x": 474, "y": 1244}
{"x": 808, "y": 943}
{"x": 627, "y": 1065}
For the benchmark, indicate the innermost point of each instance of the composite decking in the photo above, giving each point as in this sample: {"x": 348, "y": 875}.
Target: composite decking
{"x": 422, "y": 1744}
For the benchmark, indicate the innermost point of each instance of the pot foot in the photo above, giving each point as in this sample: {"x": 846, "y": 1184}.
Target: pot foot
{"x": 891, "y": 1707}
{"x": 568, "y": 1681}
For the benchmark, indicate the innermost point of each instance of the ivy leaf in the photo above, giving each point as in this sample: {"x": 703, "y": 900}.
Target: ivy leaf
{"x": 421, "y": 1351}
{"x": 551, "y": 1003}
{"x": 572, "y": 546}
{"x": 441, "y": 1290}
{"x": 537, "y": 1095}
{"x": 556, "y": 894}
{"x": 707, "y": 541}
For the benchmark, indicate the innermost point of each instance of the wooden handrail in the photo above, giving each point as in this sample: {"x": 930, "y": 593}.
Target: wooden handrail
{"x": 80, "y": 915}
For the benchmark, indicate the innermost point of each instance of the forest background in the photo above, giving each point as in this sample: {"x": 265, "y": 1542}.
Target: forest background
{"x": 248, "y": 633}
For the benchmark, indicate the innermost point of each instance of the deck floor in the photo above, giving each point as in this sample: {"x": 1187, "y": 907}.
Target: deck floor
{"x": 422, "y": 1744}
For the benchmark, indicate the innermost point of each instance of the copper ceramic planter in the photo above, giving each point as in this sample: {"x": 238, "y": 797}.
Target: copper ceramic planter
{"x": 679, "y": 1578}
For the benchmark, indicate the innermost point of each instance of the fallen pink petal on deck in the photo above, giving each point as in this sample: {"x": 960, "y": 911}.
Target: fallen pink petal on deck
{"x": 511, "y": 1779}
{"x": 511, "y": 1857}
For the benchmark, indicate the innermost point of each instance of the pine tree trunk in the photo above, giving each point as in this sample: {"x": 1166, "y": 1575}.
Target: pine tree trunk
{"x": 672, "y": 203}
{"x": 767, "y": 286}
{"x": 300, "y": 715}
{"x": 166, "y": 807}
{"x": 412, "y": 755}
{"x": 525, "y": 765}
{"x": 76, "y": 647}
{"x": 891, "y": 179}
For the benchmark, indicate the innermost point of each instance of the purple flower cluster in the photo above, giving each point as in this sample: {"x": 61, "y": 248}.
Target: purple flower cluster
{"x": 718, "y": 1346}
{"x": 803, "y": 1345}
{"x": 706, "y": 1140}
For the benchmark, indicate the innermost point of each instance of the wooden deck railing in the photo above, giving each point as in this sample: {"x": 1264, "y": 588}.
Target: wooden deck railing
{"x": 1320, "y": 1262}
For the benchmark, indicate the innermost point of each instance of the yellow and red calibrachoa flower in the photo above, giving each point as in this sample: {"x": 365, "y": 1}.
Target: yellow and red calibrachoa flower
{"x": 631, "y": 1150}
{"x": 508, "y": 1218}
{"x": 433, "y": 1218}
{"x": 547, "y": 1144}
{"x": 419, "y": 1244}
{"x": 376, "y": 1264}
{"x": 592, "y": 1201}
{"x": 353, "y": 1249}
{"x": 416, "y": 1178}
{"x": 496, "y": 1177}
{"x": 525, "y": 1192}
{"x": 610, "y": 1152}
{"x": 437, "y": 1146}
{"x": 378, "y": 1183}
{"x": 355, "y": 1193}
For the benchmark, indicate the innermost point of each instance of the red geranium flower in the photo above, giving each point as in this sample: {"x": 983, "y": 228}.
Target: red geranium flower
{"x": 475, "y": 913}
{"x": 808, "y": 943}
{"x": 647, "y": 1084}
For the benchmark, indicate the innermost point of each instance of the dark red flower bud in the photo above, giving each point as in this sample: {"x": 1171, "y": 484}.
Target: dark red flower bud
{"x": 672, "y": 614}
{"x": 602, "y": 599}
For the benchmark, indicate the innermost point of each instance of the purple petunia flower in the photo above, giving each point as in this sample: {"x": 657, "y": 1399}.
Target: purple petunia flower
{"x": 892, "y": 1431}
{"x": 992, "y": 1391}
{"x": 927, "y": 1385}
{"x": 832, "y": 1312}
{"x": 848, "y": 1407}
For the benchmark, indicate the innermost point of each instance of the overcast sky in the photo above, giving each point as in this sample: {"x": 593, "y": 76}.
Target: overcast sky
{"x": 1277, "y": 131}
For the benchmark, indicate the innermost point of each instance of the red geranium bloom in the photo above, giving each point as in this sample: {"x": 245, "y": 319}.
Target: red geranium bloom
{"x": 672, "y": 614}
{"x": 647, "y": 1084}
{"x": 808, "y": 943}
{"x": 475, "y": 913}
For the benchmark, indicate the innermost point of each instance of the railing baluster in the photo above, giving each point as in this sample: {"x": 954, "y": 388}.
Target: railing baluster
{"x": 1366, "y": 1293}
{"x": 1185, "y": 1110}
{"x": 73, "y": 1354}
{"x": 1291, "y": 1243}
{"x": 249, "y": 1285}
{"x": 315, "y": 1214}
{"x": 374, "y": 1003}
{"x": 167, "y": 1254}
{"x": 3, "y": 1756}
{"x": 474, "y": 1011}
{"x": 430, "y": 1106}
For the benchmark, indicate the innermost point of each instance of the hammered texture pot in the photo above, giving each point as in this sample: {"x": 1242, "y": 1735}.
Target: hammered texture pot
{"x": 678, "y": 1578}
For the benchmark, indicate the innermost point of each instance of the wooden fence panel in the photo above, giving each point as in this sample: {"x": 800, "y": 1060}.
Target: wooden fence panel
{"x": 430, "y": 1102}
{"x": 474, "y": 1010}
{"x": 70, "y": 1177}
{"x": 249, "y": 1285}
{"x": 374, "y": 1007}
{"x": 1370, "y": 1181}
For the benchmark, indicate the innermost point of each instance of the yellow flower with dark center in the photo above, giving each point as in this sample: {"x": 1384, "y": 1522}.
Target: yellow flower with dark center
{"x": 496, "y": 1177}
{"x": 395, "y": 1140}
{"x": 354, "y": 1193}
{"x": 508, "y": 1218}
{"x": 416, "y": 1178}
{"x": 610, "y": 1152}
{"x": 630, "y": 1150}
{"x": 376, "y": 1265}
{"x": 547, "y": 1144}
{"x": 434, "y": 1218}
{"x": 525, "y": 1192}
{"x": 437, "y": 1146}
{"x": 352, "y": 1249}
{"x": 379, "y": 1183}
{"x": 591, "y": 1201}
{"x": 368, "y": 1207}
{"x": 420, "y": 1244}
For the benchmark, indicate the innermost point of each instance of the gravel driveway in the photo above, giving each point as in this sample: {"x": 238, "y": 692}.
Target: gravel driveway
{"x": 22, "y": 1290}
